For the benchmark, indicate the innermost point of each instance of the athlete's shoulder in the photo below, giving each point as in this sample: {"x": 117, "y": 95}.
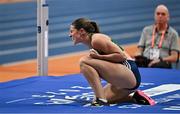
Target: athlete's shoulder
{"x": 100, "y": 40}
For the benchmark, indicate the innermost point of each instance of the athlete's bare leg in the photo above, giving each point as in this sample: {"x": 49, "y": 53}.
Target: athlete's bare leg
{"x": 119, "y": 76}
{"x": 114, "y": 95}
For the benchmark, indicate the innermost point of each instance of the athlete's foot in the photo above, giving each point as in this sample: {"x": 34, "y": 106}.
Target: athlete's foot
{"x": 141, "y": 98}
{"x": 100, "y": 102}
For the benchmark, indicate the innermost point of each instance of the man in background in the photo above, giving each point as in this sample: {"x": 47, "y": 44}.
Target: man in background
{"x": 158, "y": 46}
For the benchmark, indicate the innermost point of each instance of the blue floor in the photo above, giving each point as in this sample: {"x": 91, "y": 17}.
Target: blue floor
{"x": 123, "y": 20}
{"x": 72, "y": 94}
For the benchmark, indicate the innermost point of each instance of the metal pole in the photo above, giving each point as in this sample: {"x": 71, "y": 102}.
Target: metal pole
{"x": 42, "y": 38}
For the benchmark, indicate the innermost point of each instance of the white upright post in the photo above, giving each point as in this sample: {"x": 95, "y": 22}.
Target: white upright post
{"x": 42, "y": 38}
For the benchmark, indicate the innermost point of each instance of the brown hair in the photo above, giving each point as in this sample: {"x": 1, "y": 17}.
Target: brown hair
{"x": 87, "y": 25}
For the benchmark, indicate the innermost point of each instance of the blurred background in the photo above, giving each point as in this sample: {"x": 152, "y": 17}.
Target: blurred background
{"x": 123, "y": 20}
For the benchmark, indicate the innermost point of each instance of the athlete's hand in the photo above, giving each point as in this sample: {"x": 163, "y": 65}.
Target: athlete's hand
{"x": 93, "y": 53}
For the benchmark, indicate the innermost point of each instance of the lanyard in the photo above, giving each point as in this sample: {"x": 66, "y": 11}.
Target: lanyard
{"x": 153, "y": 38}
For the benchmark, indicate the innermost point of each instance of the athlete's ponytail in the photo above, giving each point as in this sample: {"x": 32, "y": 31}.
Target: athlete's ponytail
{"x": 96, "y": 28}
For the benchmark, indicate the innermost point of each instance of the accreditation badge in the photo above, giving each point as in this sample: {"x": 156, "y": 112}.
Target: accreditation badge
{"x": 154, "y": 53}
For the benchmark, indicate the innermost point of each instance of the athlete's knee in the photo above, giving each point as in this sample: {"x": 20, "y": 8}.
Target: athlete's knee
{"x": 83, "y": 60}
{"x": 82, "y": 64}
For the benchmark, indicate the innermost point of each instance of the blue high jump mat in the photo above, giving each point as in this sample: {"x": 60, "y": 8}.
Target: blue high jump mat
{"x": 72, "y": 94}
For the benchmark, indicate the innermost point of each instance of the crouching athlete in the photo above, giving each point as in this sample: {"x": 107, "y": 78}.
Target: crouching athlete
{"x": 108, "y": 61}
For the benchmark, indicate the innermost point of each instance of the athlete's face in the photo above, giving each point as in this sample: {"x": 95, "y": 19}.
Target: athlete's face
{"x": 75, "y": 35}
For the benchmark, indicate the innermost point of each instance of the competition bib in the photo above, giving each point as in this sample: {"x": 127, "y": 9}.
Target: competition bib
{"x": 154, "y": 53}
